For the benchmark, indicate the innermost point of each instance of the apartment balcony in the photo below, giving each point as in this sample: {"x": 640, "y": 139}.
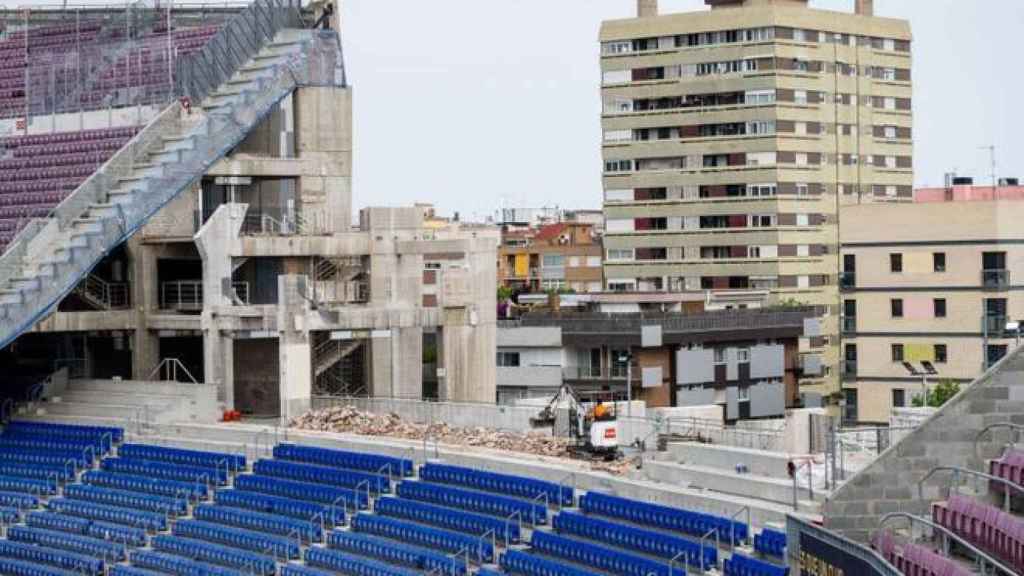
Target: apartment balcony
{"x": 847, "y": 281}
{"x": 849, "y": 324}
{"x": 594, "y": 373}
{"x": 994, "y": 326}
{"x": 849, "y": 370}
{"x": 995, "y": 279}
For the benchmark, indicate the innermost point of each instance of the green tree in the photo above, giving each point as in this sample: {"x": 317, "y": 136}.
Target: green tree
{"x": 938, "y": 395}
{"x": 504, "y": 293}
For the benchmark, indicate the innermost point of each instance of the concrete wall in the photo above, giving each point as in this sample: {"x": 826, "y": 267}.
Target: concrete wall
{"x": 889, "y": 484}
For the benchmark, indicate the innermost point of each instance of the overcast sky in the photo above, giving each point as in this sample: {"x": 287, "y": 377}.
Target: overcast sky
{"x": 468, "y": 103}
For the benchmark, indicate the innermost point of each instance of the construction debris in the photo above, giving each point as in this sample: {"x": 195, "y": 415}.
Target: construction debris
{"x": 350, "y": 420}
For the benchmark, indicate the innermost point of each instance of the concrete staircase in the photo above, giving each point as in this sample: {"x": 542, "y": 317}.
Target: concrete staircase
{"x": 53, "y": 255}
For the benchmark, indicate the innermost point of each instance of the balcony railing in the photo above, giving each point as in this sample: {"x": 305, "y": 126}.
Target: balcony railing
{"x": 187, "y": 295}
{"x": 995, "y": 279}
{"x": 847, "y": 280}
{"x": 593, "y": 373}
{"x": 993, "y": 325}
{"x": 849, "y": 370}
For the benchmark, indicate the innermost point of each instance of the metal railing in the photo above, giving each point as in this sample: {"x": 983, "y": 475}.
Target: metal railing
{"x": 956, "y": 471}
{"x": 982, "y": 558}
{"x": 1016, "y": 428}
{"x": 849, "y": 324}
{"x": 181, "y": 295}
{"x": 168, "y": 370}
{"x": 847, "y": 280}
{"x": 200, "y": 73}
{"x": 796, "y": 527}
{"x": 996, "y": 278}
{"x": 103, "y": 294}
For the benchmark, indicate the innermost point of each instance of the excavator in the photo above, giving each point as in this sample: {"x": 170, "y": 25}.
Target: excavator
{"x": 591, "y": 424}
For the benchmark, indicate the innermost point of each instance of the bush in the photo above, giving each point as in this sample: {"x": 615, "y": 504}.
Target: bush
{"x": 938, "y": 395}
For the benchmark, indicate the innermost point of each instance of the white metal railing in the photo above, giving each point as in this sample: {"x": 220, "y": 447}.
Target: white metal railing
{"x": 169, "y": 370}
{"x": 181, "y": 295}
{"x": 103, "y": 294}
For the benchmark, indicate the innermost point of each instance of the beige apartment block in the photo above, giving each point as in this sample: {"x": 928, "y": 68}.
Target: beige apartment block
{"x": 926, "y": 282}
{"x": 733, "y": 136}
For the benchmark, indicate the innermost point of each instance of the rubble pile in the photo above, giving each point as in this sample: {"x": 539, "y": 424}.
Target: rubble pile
{"x": 348, "y": 419}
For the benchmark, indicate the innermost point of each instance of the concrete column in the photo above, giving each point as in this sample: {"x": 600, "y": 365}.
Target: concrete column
{"x": 467, "y": 355}
{"x": 142, "y": 278}
{"x": 407, "y": 359}
{"x": 295, "y": 348}
{"x": 381, "y": 368}
{"x": 219, "y": 361}
{"x": 145, "y": 351}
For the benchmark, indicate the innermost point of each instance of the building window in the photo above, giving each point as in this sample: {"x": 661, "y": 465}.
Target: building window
{"x": 896, "y": 262}
{"x": 553, "y": 261}
{"x": 801, "y": 189}
{"x": 899, "y": 398}
{"x": 897, "y": 352}
{"x": 743, "y": 393}
{"x": 508, "y": 359}
{"x": 551, "y": 284}
{"x": 593, "y": 261}
{"x": 719, "y": 355}
{"x": 896, "y": 307}
{"x": 939, "y": 261}
{"x": 941, "y": 354}
{"x": 759, "y": 190}
{"x": 618, "y": 166}
{"x": 940, "y": 307}
{"x": 620, "y": 255}
{"x": 743, "y": 355}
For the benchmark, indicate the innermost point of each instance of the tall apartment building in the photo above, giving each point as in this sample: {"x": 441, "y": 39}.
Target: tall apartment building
{"x": 733, "y": 136}
{"x": 936, "y": 281}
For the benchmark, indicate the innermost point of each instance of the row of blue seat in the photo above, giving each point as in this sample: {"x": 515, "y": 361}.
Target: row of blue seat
{"x": 526, "y": 564}
{"x": 127, "y": 535}
{"x": 127, "y": 499}
{"x": 199, "y": 458}
{"x": 18, "y": 500}
{"x": 269, "y": 523}
{"x": 394, "y": 552}
{"x": 770, "y": 542}
{"x": 67, "y": 430}
{"x": 145, "y": 484}
{"x": 300, "y": 570}
{"x": 216, "y": 554}
{"x": 350, "y": 564}
{"x": 177, "y": 565}
{"x": 693, "y": 523}
{"x": 475, "y": 501}
{"x": 332, "y": 515}
{"x": 501, "y": 483}
{"x": 344, "y": 459}
{"x": 165, "y": 470}
{"x": 9, "y": 515}
{"x": 125, "y": 570}
{"x": 28, "y": 485}
{"x": 39, "y": 471}
{"x": 600, "y": 557}
{"x": 489, "y": 572}
{"x": 452, "y": 542}
{"x": 443, "y": 517}
{"x": 279, "y": 546}
{"x": 373, "y": 483}
{"x": 57, "y": 445}
{"x": 633, "y": 538}
{"x": 33, "y": 440}
{"x": 309, "y": 492}
{"x": 740, "y": 565}
{"x": 11, "y": 567}
{"x": 70, "y": 542}
{"x": 58, "y": 558}
{"x": 46, "y": 457}
{"x": 150, "y": 521}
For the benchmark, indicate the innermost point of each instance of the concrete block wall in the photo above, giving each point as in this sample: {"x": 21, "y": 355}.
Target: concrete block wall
{"x": 890, "y": 483}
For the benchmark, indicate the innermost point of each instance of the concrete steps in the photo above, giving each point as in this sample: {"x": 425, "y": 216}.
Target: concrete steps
{"x": 745, "y": 485}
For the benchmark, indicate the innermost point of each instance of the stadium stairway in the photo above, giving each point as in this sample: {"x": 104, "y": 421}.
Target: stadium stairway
{"x": 50, "y": 256}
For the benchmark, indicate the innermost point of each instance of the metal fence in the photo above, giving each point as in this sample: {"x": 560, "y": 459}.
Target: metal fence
{"x": 845, "y": 551}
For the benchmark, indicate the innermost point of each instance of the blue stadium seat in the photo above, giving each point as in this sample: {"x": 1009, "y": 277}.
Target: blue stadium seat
{"x": 164, "y": 470}
{"x": 302, "y": 491}
{"x": 55, "y": 445}
{"x": 216, "y": 554}
{"x": 526, "y": 564}
{"x": 9, "y": 515}
{"x": 489, "y": 572}
{"x": 18, "y": 500}
{"x": 646, "y": 541}
{"x": 492, "y": 504}
{"x": 344, "y": 459}
{"x": 29, "y": 485}
{"x": 740, "y": 565}
{"x": 43, "y": 555}
{"x": 332, "y": 515}
{"x": 420, "y": 535}
{"x": 299, "y": 570}
{"x": 109, "y": 551}
{"x": 237, "y": 537}
{"x": 107, "y": 513}
{"x": 46, "y": 457}
{"x": 352, "y": 565}
{"x": 770, "y": 542}
{"x": 375, "y": 483}
{"x": 693, "y": 523}
{"x": 127, "y": 499}
{"x": 145, "y": 484}
{"x": 600, "y": 557}
{"x": 38, "y": 471}
{"x": 394, "y": 552}
{"x": 67, "y": 430}
{"x": 12, "y": 567}
{"x": 443, "y": 517}
{"x": 95, "y": 529}
{"x": 508, "y": 484}
{"x": 123, "y": 570}
{"x": 196, "y": 458}
{"x": 176, "y": 565}
{"x": 269, "y": 523}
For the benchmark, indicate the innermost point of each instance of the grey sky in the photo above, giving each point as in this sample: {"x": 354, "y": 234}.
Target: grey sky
{"x": 469, "y": 102}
